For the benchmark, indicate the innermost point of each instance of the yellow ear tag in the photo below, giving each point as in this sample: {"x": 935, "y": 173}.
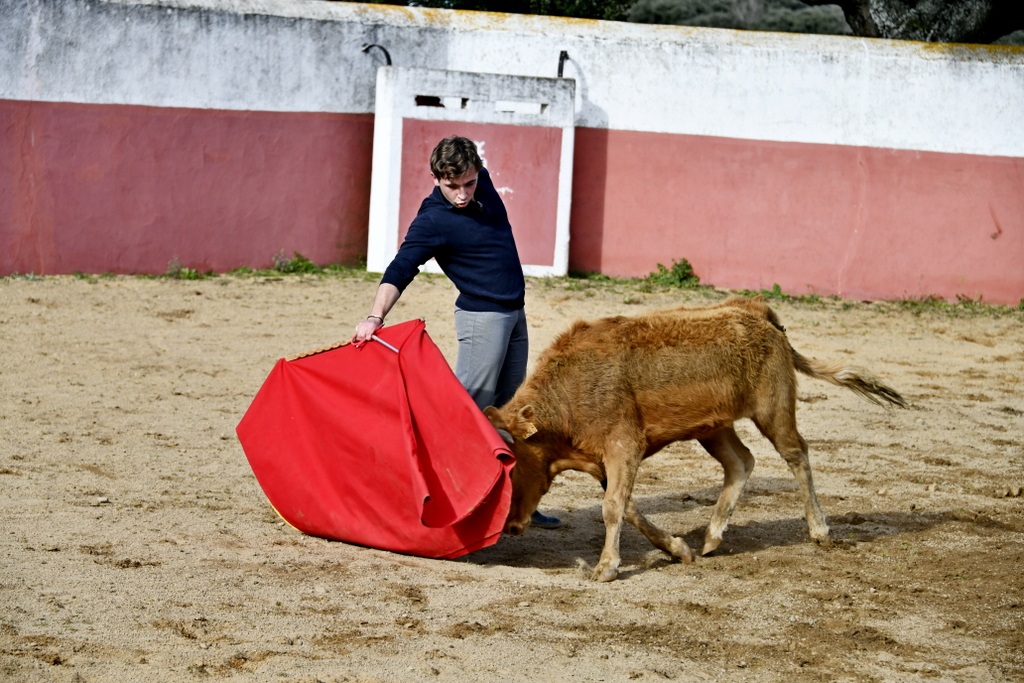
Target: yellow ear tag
{"x": 525, "y": 421}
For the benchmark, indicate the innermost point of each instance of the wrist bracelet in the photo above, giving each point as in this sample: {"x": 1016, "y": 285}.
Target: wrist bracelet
{"x": 378, "y": 318}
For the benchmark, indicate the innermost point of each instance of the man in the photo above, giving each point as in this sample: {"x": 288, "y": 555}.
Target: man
{"x": 464, "y": 226}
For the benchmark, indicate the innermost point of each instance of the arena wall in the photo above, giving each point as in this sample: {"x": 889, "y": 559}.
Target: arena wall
{"x": 222, "y": 132}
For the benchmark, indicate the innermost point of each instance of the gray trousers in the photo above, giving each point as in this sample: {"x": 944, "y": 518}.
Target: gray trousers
{"x": 493, "y": 352}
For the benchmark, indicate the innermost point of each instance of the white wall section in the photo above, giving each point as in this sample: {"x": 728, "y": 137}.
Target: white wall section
{"x": 306, "y": 56}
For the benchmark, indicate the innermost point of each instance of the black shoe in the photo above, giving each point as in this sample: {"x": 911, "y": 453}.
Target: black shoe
{"x": 544, "y": 522}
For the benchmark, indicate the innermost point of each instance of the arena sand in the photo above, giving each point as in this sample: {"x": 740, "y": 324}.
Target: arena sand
{"x": 136, "y": 544}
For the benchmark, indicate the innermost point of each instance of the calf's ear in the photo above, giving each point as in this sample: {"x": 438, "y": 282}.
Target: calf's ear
{"x": 492, "y": 414}
{"x": 524, "y": 422}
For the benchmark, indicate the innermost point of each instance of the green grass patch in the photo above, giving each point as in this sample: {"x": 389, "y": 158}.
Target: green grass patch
{"x": 24, "y": 276}
{"x": 678, "y": 276}
{"x": 300, "y": 265}
{"x": 776, "y": 294}
{"x": 963, "y": 307}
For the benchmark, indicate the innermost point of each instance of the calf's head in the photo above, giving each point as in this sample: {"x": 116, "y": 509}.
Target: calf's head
{"x": 531, "y": 476}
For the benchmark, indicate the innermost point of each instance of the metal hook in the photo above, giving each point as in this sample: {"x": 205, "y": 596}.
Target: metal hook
{"x": 562, "y": 57}
{"x": 387, "y": 56}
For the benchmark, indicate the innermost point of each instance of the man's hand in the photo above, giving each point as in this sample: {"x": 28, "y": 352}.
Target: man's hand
{"x": 387, "y": 295}
{"x": 365, "y": 330}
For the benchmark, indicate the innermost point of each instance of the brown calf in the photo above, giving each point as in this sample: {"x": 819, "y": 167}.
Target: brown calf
{"x": 611, "y": 392}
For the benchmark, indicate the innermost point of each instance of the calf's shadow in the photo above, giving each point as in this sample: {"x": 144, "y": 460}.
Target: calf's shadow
{"x": 583, "y": 537}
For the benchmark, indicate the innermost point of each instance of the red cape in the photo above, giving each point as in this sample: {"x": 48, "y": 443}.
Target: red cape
{"x": 382, "y": 449}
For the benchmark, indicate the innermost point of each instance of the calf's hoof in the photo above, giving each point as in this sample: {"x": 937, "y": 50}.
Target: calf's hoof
{"x": 604, "y": 573}
{"x": 711, "y": 544}
{"x": 679, "y": 549}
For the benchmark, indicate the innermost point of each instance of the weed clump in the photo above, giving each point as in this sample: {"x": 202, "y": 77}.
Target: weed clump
{"x": 178, "y": 271}
{"x": 296, "y": 265}
{"x": 679, "y": 275}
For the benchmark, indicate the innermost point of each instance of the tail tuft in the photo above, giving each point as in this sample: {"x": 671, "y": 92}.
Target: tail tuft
{"x": 868, "y": 386}
{"x": 857, "y": 380}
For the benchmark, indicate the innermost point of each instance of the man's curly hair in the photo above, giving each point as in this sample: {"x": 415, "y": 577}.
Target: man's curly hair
{"x": 453, "y": 157}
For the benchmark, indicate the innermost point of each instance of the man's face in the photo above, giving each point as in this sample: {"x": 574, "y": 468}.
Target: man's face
{"x": 458, "y": 191}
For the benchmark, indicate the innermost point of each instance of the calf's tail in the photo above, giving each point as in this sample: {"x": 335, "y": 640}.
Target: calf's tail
{"x": 855, "y": 379}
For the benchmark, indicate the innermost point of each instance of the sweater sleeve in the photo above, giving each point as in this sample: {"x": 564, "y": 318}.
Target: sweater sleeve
{"x": 421, "y": 243}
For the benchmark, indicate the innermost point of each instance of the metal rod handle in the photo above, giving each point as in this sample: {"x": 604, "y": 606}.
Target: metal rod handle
{"x": 378, "y": 339}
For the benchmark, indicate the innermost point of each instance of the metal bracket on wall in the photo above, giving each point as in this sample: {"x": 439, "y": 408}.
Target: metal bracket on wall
{"x": 563, "y": 56}
{"x": 387, "y": 56}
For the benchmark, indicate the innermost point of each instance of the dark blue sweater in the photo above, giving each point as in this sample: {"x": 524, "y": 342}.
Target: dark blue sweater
{"x": 474, "y": 247}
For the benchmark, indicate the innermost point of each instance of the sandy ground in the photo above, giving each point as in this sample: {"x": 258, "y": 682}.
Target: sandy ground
{"x": 136, "y": 545}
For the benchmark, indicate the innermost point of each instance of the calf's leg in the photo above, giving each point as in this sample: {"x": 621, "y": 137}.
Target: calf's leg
{"x": 621, "y": 463}
{"x": 659, "y": 538}
{"x": 793, "y": 449}
{"x": 725, "y": 447}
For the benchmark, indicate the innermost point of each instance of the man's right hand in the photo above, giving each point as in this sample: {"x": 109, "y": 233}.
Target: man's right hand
{"x": 365, "y": 330}
{"x": 383, "y": 301}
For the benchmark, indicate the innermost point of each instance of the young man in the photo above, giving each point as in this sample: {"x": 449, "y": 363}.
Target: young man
{"x": 464, "y": 226}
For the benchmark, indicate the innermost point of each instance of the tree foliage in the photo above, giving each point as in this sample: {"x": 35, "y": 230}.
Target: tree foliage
{"x": 1015, "y": 38}
{"x": 789, "y": 16}
{"x": 611, "y": 10}
{"x": 977, "y": 21}
{"x": 947, "y": 21}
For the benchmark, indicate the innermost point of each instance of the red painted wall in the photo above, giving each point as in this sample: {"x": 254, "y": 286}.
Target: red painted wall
{"x": 114, "y": 188}
{"x": 522, "y": 159}
{"x": 859, "y": 222}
